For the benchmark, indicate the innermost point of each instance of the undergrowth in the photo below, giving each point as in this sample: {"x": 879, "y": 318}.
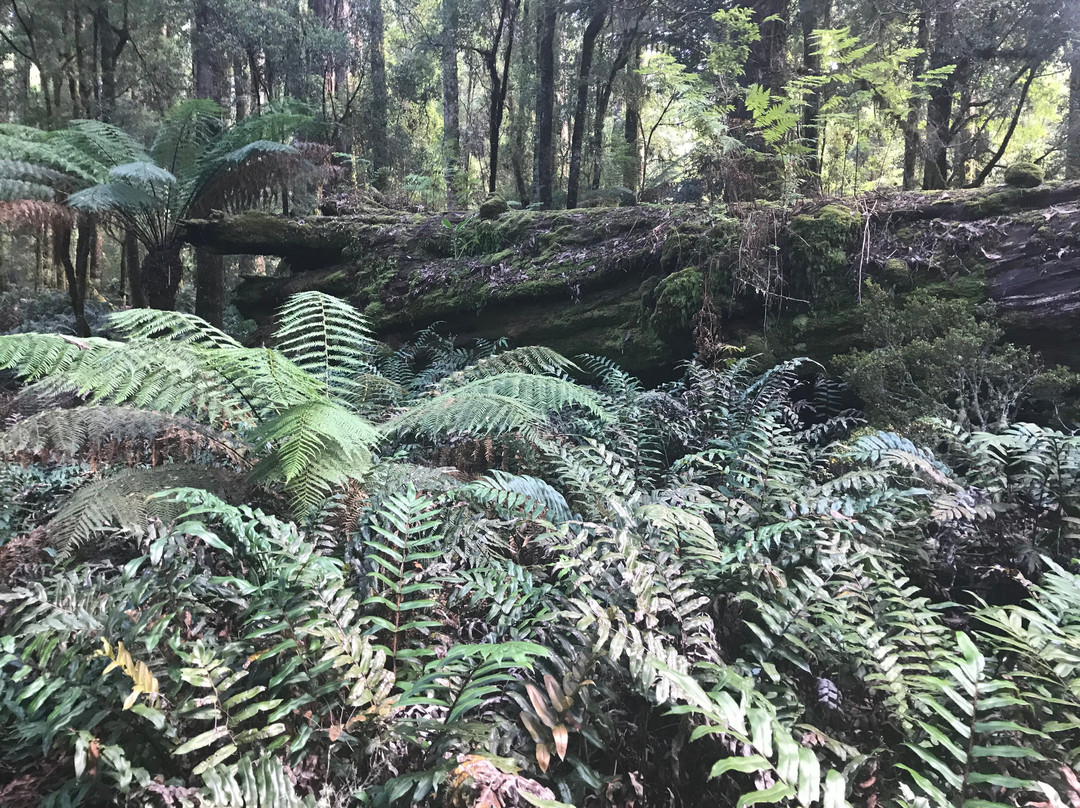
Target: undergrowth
{"x": 332, "y": 573}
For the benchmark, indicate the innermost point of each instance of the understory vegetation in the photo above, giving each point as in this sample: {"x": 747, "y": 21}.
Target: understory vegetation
{"x": 336, "y": 573}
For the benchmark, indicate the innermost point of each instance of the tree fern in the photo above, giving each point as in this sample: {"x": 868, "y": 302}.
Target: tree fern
{"x": 316, "y": 445}
{"x": 112, "y": 434}
{"x": 329, "y": 339}
{"x": 124, "y": 500}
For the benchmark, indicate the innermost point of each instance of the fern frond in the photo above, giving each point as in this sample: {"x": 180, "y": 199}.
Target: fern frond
{"x": 245, "y": 785}
{"x": 314, "y": 446}
{"x": 110, "y": 433}
{"x": 35, "y": 356}
{"x": 122, "y": 500}
{"x": 140, "y": 324}
{"x": 329, "y": 339}
{"x": 535, "y": 359}
{"x": 519, "y": 495}
{"x": 495, "y": 405}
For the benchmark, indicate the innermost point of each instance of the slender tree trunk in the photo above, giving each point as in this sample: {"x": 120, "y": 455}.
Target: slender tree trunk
{"x": 813, "y": 15}
{"x": 577, "y": 137}
{"x": 241, "y": 86}
{"x": 451, "y": 123}
{"x": 211, "y": 81}
{"x": 1020, "y": 104}
{"x": 132, "y": 265}
{"x": 76, "y": 273}
{"x": 545, "y": 106}
{"x": 915, "y": 104}
{"x": 380, "y": 103}
{"x": 939, "y": 109}
{"x": 632, "y": 123}
{"x": 1072, "y": 145}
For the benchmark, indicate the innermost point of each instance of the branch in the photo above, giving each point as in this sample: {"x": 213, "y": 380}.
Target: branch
{"x": 981, "y": 178}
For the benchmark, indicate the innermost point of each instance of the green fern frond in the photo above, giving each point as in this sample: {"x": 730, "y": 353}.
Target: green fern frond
{"x": 314, "y": 446}
{"x": 35, "y": 356}
{"x": 535, "y": 359}
{"x": 116, "y": 433}
{"x": 140, "y": 324}
{"x": 519, "y": 495}
{"x": 494, "y": 405}
{"x": 246, "y": 785}
{"x": 123, "y": 501}
{"x": 329, "y": 339}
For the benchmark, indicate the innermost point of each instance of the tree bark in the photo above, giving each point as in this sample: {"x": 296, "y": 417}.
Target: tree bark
{"x": 545, "y": 106}
{"x": 1072, "y": 145}
{"x": 162, "y": 270}
{"x": 75, "y": 273}
{"x": 632, "y": 123}
{"x": 577, "y": 137}
{"x": 915, "y": 104}
{"x": 380, "y": 103}
{"x": 451, "y": 123}
{"x": 939, "y": 110}
{"x": 132, "y": 264}
{"x": 211, "y": 81}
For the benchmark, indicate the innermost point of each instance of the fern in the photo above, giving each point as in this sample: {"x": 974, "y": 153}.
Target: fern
{"x": 316, "y": 446}
{"x": 328, "y": 339}
{"x": 974, "y": 740}
{"x": 405, "y": 540}
{"x": 124, "y": 500}
{"x": 107, "y": 433}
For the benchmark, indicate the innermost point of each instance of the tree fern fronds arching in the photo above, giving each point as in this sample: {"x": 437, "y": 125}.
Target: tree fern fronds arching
{"x": 314, "y": 446}
{"x": 34, "y": 356}
{"x": 533, "y": 359}
{"x": 186, "y": 130}
{"x": 138, "y": 324}
{"x": 123, "y": 500}
{"x": 541, "y": 393}
{"x": 104, "y": 142}
{"x": 116, "y": 434}
{"x": 478, "y": 414}
{"x": 328, "y": 338}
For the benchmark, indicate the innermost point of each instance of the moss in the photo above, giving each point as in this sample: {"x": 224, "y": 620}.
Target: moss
{"x": 994, "y": 204}
{"x": 897, "y": 273}
{"x": 678, "y": 299}
{"x": 1023, "y": 175}
{"x": 493, "y": 207}
{"x": 819, "y": 250}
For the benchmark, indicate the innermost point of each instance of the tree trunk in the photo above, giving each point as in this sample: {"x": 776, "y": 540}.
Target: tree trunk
{"x": 380, "y": 103}
{"x": 451, "y": 124}
{"x": 75, "y": 273}
{"x": 545, "y": 106}
{"x": 130, "y": 257}
{"x": 767, "y": 61}
{"x": 1072, "y": 145}
{"x": 813, "y": 15}
{"x": 162, "y": 270}
{"x": 911, "y": 123}
{"x": 588, "y": 44}
{"x": 939, "y": 110}
{"x": 632, "y": 123}
{"x": 211, "y": 81}
{"x": 210, "y": 287}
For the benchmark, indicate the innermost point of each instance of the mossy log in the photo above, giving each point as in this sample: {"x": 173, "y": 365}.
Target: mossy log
{"x": 628, "y": 282}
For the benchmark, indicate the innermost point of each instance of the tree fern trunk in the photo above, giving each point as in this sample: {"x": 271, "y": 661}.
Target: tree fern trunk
{"x": 162, "y": 271}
